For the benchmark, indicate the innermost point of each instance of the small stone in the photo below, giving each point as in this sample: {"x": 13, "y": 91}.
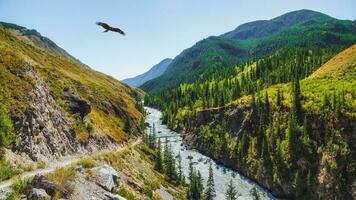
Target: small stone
{"x": 111, "y": 196}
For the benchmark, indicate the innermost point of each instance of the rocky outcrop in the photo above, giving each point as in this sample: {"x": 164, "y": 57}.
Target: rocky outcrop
{"x": 97, "y": 183}
{"x": 77, "y": 106}
{"x": 40, "y": 188}
{"x": 38, "y": 194}
{"x": 44, "y": 130}
{"x": 41, "y": 182}
{"x": 105, "y": 176}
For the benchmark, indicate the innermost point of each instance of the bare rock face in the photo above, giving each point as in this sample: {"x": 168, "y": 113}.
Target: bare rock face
{"x": 40, "y": 189}
{"x": 76, "y": 105}
{"x": 38, "y": 194}
{"x": 40, "y": 182}
{"x": 105, "y": 176}
{"x": 44, "y": 131}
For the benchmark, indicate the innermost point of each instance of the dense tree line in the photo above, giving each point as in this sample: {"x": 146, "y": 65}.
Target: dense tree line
{"x": 249, "y": 78}
{"x": 284, "y": 143}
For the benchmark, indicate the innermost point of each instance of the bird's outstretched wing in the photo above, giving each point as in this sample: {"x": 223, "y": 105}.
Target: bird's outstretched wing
{"x": 104, "y": 25}
{"x": 118, "y": 31}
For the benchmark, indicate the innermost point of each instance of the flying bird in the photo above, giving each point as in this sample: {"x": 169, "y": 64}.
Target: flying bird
{"x": 109, "y": 28}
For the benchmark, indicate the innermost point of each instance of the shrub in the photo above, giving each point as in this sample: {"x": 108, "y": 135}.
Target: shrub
{"x": 7, "y": 135}
{"x": 62, "y": 177}
{"x": 86, "y": 163}
{"x": 125, "y": 193}
{"x": 41, "y": 164}
{"x": 19, "y": 187}
{"x": 6, "y": 171}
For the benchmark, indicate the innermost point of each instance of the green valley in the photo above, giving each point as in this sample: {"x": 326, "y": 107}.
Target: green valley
{"x": 283, "y": 117}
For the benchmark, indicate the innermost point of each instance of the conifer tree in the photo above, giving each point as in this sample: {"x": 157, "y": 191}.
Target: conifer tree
{"x": 128, "y": 125}
{"x": 200, "y": 186}
{"x": 210, "y": 186}
{"x": 231, "y": 192}
{"x": 254, "y": 194}
{"x": 169, "y": 162}
{"x": 195, "y": 187}
{"x": 181, "y": 177}
{"x": 296, "y": 106}
{"x": 159, "y": 159}
{"x": 291, "y": 141}
{"x": 279, "y": 99}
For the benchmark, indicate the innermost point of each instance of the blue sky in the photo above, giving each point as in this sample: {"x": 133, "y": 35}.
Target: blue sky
{"x": 156, "y": 29}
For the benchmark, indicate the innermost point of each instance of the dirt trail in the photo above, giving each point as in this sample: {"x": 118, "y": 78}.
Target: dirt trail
{"x": 5, "y": 186}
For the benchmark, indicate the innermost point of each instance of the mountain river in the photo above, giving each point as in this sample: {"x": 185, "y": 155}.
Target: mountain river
{"x": 222, "y": 174}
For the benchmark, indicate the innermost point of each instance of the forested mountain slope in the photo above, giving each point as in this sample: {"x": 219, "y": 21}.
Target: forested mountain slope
{"x": 154, "y": 72}
{"x": 215, "y": 57}
{"x": 52, "y": 105}
{"x": 296, "y": 138}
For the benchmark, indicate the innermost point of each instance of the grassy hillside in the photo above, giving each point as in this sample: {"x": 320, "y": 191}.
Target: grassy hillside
{"x": 293, "y": 137}
{"x": 31, "y": 36}
{"x": 214, "y": 57}
{"x": 112, "y": 103}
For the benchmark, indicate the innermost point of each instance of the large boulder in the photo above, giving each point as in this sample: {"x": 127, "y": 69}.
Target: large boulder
{"x": 105, "y": 176}
{"x": 76, "y": 105}
{"x": 37, "y": 194}
{"x": 41, "y": 182}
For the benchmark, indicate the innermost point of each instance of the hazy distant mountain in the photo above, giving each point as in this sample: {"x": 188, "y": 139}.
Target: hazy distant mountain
{"x": 154, "y": 72}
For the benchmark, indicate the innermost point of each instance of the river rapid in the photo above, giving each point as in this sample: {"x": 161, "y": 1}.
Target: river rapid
{"x": 222, "y": 174}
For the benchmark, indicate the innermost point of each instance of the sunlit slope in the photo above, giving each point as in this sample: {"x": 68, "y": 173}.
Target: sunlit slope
{"x": 341, "y": 65}
{"x": 112, "y": 102}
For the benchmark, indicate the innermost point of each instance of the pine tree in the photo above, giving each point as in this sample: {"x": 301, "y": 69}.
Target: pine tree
{"x": 169, "y": 162}
{"x": 268, "y": 113}
{"x": 128, "y": 125}
{"x": 195, "y": 187}
{"x": 142, "y": 124}
{"x": 200, "y": 186}
{"x": 291, "y": 141}
{"x": 210, "y": 186}
{"x": 159, "y": 159}
{"x": 254, "y": 194}
{"x": 231, "y": 192}
{"x": 297, "y": 106}
{"x": 279, "y": 99}
{"x": 181, "y": 177}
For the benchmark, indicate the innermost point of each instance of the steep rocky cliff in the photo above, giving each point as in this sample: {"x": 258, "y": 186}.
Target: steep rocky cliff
{"x": 57, "y": 105}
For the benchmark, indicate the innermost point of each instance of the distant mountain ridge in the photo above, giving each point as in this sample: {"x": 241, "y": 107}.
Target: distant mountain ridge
{"x": 154, "y": 72}
{"x": 265, "y": 28}
{"x": 214, "y": 57}
{"x": 33, "y": 37}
